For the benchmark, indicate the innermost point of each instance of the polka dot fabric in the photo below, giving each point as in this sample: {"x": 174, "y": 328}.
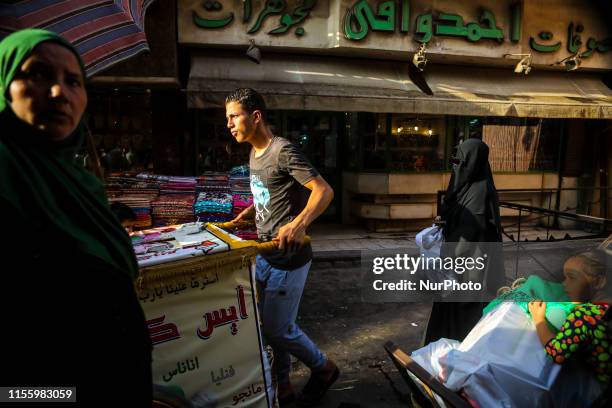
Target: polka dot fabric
{"x": 584, "y": 333}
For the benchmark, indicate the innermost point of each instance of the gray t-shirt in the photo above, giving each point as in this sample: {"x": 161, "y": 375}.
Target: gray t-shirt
{"x": 277, "y": 178}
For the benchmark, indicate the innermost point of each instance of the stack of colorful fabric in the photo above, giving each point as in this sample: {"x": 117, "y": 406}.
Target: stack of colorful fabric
{"x": 241, "y": 189}
{"x": 213, "y": 206}
{"x": 240, "y": 201}
{"x": 242, "y": 198}
{"x": 135, "y": 192}
{"x": 141, "y": 207}
{"x": 179, "y": 185}
{"x": 211, "y": 181}
{"x": 172, "y": 209}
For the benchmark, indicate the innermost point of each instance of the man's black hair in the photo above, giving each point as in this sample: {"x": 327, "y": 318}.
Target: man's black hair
{"x": 122, "y": 212}
{"x": 250, "y": 100}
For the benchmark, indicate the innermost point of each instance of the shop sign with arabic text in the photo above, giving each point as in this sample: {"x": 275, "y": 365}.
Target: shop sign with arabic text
{"x": 550, "y": 29}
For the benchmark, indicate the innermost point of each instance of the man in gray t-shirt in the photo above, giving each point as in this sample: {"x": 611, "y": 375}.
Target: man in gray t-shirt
{"x": 279, "y": 173}
{"x": 277, "y": 179}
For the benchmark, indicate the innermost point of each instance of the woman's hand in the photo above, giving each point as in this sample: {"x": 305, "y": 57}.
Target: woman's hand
{"x": 537, "y": 308}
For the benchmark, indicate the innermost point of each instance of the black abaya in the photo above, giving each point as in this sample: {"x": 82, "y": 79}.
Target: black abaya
{"x": 471, "y": 215}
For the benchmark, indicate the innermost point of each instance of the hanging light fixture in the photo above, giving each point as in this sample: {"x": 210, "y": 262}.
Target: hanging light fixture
{"x": 524, "y": 65}
{"x": 418, "y": 59}
{"x": 254, "y": 53}
{"x": 572, "y": 62}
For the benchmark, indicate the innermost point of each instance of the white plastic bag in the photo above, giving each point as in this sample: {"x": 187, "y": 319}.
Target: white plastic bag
{"x": 502, "y": 363}
{"x": 430, "y": 241}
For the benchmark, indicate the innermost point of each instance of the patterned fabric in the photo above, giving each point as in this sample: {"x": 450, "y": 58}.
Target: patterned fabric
{"x": 103, "y": 32}
{"x": 584, "y": 333}
{"x": 213, "y": 202}
{"x": 242, "y": 199}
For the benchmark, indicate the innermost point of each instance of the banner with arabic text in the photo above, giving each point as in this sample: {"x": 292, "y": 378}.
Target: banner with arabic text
{"x": 206, "y": 339}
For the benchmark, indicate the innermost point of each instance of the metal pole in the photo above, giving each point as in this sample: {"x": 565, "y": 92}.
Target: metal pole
{"x": 548, "y": 217}
{"x": 518, "y": 242}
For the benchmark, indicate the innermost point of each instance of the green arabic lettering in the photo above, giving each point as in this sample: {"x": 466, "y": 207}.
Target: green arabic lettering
{"x": 599, "y": 46}
{"x": 457, "y": 29}
{"x": 591, "y": 46}
{"x": 247, "y": 9}
{"x": 207, "y": 23}
{"x": 210, "y": 23}
{"x": 492, "y": 31}
{"x": 358, "y": 12}
{"x": 405, "y": 16}
{"x": 573, "y": 40}
{"x": 272, "y": 7}
{"x": 300, "y": 14}
{"x": 544, "y": 35}
{"x": 515, "y": 36}
{"x": 473, "y": 31}
{"x": 366, "y": 19}
{"x": 386, "y": 20}
{"x": 424, "y": 26}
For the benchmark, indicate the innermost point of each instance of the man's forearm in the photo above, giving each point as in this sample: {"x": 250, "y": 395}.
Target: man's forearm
{"x": 247, "y": 213}
{"x": 319, "y": 200}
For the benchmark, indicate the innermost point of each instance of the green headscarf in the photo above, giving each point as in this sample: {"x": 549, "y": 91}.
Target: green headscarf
{"x": 42, "y": 187}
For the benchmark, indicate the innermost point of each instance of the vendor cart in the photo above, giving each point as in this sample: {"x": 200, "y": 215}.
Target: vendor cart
{"x": 196, "y": 287}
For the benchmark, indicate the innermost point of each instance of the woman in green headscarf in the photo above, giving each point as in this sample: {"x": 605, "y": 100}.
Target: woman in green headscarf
{"x": 72, "y": 307}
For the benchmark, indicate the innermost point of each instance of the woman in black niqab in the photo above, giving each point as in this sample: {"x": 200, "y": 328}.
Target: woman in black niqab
{"x": 471, "y": 215}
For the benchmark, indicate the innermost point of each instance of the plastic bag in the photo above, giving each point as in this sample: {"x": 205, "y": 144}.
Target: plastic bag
{"x": 430, "y": 241}
{"x": 501, "y": 362}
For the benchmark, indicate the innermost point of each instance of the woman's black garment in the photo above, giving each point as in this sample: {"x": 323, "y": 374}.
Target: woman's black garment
{"x": 73, "y": 320}
{"x": 471, "y": 212}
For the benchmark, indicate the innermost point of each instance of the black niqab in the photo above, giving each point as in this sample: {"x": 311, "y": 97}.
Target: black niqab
{"x": 471, "y": 192}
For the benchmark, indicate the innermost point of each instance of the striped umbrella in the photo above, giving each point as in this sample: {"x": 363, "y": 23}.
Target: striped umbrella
{"x": 104, "y": 32}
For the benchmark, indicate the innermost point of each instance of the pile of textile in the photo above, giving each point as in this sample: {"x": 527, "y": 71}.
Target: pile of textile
{"x": 213, "y": 181}
{"x": 242, "y": 198}
{"x": 178, "y": 185}
{"x": 212, "y": 206}
{"x": 135, "y": 192}
{"x": 240, "y": 188}
{"x": 172, "y": 209}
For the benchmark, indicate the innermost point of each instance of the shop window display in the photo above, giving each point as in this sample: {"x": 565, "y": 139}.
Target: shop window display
{"x": 120, "y": 127}
{"x": 417, "y": 143}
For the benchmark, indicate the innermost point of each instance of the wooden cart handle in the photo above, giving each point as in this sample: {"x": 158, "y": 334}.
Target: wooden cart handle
{"x": 272, "y": 246}
{"x": 231, "y": 224}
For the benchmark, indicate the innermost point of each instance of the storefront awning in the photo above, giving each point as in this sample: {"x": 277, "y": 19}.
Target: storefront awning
{"x": 361, "y": 85}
